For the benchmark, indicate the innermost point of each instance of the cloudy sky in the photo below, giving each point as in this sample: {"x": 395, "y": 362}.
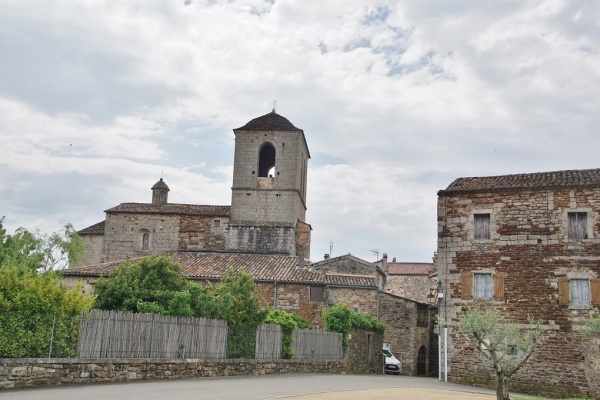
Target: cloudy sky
{"x": 397, "y": 99}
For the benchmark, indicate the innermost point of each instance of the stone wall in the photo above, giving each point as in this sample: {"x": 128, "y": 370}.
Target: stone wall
{"x": 529, "y": 253}
{"x": 267, "y": 239}
{"x": 201, "y": 233}
{"x": 18, "y": 373}
{"x": 93, "y": 250}
{"x": 123, "y": 235}
{"x": 364, "y": 352}
{"x": 292, "y": 298}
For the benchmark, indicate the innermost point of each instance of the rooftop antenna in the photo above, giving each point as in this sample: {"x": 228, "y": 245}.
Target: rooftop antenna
{"x": 274, "y": 105}
{"x": 330, "y": 248}
{"x": 376, "y": 252}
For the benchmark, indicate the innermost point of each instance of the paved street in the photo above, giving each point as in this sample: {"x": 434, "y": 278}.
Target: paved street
{"x": 245, "y": 387}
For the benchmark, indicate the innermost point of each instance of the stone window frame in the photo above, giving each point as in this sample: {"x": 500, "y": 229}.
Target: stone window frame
{"x": 565, "y": 290}
{"x": 471, "y": 225}
{"x": 142, "y": 242}
{"x": 590, "y": 222}
{"x": 216, "y": 223}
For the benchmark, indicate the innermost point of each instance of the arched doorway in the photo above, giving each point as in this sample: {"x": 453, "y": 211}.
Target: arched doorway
{"x": 422, "y": 361}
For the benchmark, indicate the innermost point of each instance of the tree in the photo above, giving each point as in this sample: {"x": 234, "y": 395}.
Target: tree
{"x": 288, "y": 322}
{"x": 153, "y": 284}
{"x": 504, "y": 344}
{"x": 35, "y": 308}
{"x": 40, "y": 252}
{"x": 341, "y": 319}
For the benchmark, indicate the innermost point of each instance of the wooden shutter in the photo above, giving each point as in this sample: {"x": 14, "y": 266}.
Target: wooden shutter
{"x": 499, "y": 285}
{"x": 563, "y": 292}
{"x": 466, "y": 285}
{"x": 595, "y": 283}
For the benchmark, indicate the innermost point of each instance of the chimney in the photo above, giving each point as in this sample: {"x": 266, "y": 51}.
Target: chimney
{"x": 300, "y": 262}
{"x": 394, "y": 259}
{"x": 384, "y": 266}
{"x": 326, "y": 256}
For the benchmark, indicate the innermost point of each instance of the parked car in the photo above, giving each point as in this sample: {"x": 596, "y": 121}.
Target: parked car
{"x": 392, "y": 364}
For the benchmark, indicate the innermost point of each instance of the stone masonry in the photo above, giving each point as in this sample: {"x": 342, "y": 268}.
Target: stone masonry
{"x": 532, "y": 260}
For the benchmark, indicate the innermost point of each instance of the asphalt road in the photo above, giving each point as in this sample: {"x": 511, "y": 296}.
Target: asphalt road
{"x": 229, "y": 388}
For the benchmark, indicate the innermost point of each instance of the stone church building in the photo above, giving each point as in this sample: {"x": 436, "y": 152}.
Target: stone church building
{"x": 264, "y": 232}
{"x": 266, "y": 216}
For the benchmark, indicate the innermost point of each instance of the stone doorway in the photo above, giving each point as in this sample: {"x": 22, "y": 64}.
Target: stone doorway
{"x": 422, "y": 361}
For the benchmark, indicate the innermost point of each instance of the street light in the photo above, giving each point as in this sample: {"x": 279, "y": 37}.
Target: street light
{"x": 432, "y": 297}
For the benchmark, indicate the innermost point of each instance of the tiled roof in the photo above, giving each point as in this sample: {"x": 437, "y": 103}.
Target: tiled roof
{"x": 96, "y": 229}
{"x": 214, "y": 266}
{"x": 351, "y": 280}
{"x": 406, "y": 268}
{"x": 538, "y": 180}
{"x": 269, "y": 122}
{"x": 411, "y": 287}
{"x": 171, "y": 208}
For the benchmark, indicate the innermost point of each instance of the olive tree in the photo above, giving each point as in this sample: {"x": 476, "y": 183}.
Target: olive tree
{"x": 506, "y": 345}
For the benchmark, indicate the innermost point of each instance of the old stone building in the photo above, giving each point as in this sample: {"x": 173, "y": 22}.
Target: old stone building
{"x": 525, "y": 245}
{"x": 267, "y": 214}
{"x": 311, "y": 290}
{"x": 265, "y": 233}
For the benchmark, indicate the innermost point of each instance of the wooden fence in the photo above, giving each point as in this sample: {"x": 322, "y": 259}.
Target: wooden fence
{"x": 268, "y": 342}
{"x": 109, "y": 334}
{"x": 307, "y": 344}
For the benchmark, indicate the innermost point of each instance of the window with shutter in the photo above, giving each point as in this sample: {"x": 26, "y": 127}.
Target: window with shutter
{"x": 482, "y": 286}
{"x": 481, "y": 226}
{"x": 563, "y": 292}
{"x": 499, "y": 285}
{"x": 580, "y": 292}
{"x": 577, "y": 225}
{"x": 595, "y": 292}
{"x": 466, "y": 285}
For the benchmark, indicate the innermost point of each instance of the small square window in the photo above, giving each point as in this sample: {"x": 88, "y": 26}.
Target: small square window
{"x": 483, "y": 286}
{"x": 580, "y": 292}
{"x": 217, "y": 223}
{"x": 481, "y": 225}
{"x": 317, "y": 293}
{"x": 577, "y": 225}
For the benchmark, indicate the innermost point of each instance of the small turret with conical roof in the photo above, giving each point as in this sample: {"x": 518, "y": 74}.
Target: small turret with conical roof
{"x": 160, "y": 192}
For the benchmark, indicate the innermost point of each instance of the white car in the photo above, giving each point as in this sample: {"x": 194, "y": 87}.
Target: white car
{"x": 392, "y": 364}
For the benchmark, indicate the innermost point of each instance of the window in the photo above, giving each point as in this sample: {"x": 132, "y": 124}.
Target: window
{"x": 481, "y": 225}
{"x": 217, "y": 223}
{"x": 266, "y": 160}
{"x": 422, "y": 316}
{"x": 577, "y": 225}
{"x": 483, "y": 286}
{"x": 317, "y": 293}
{"x": 579, "y": 292}
{"x": 146, "y": 241}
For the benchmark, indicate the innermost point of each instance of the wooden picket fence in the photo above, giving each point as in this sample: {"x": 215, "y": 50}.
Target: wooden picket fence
{"x": 308, "y": 344}
{"x": 110, "y": 334}
{"x": 268, "y": 342}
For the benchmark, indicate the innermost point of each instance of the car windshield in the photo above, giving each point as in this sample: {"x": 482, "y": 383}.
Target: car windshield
{"x": 387, "y": 353}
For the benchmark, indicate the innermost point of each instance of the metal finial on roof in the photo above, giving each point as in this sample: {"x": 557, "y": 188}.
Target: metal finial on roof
{"x": 274, "y": 105}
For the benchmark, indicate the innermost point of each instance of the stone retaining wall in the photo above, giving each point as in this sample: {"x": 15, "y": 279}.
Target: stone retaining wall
{"x": 23, "y": 372}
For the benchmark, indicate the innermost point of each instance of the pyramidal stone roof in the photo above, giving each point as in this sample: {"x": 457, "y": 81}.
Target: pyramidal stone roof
{"x": 539, "y": 180}
{"x": 269, "y": 122}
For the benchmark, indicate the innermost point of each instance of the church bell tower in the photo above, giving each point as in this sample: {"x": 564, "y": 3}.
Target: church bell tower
{"x": 268, "y": 200}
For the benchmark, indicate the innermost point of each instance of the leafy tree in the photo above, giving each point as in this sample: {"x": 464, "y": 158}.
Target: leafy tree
{"x": 341, "y": 319}
{"x": 40, "y": 252}
{"x": 149, "y": 285}
{"x": 507, "y": 347}
{"x": 288, "y": 322}
{"x": 593, "y": 326}
{"x": 28, "y": 304}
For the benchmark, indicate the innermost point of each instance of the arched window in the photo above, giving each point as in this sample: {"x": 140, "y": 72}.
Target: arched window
{"x": 266, "y": 161}
{"x": 146, "y": 241}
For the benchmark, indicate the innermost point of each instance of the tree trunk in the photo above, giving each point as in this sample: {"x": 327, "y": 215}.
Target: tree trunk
{"x": 501, "y": 386}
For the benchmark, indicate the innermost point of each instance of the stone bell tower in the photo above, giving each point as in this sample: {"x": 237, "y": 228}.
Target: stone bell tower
{"x": 268, "y": 201}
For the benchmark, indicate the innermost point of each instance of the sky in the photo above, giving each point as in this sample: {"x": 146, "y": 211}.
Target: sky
{"x": 99, "y": 99}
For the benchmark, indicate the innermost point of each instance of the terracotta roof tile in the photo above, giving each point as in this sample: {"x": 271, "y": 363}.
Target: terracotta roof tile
{"x": 171, "y": 208}
{"x": 406, "y": 268}
{"x": 96, "y": 229}
{"x": 411, "y": 287}
{"x": 538, "y": 180}
{"x": 351, "y": 280}
{"x": 269, "y": 122}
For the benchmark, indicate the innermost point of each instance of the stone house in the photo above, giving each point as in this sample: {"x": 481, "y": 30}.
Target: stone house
{"x": 524, "y": 245}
